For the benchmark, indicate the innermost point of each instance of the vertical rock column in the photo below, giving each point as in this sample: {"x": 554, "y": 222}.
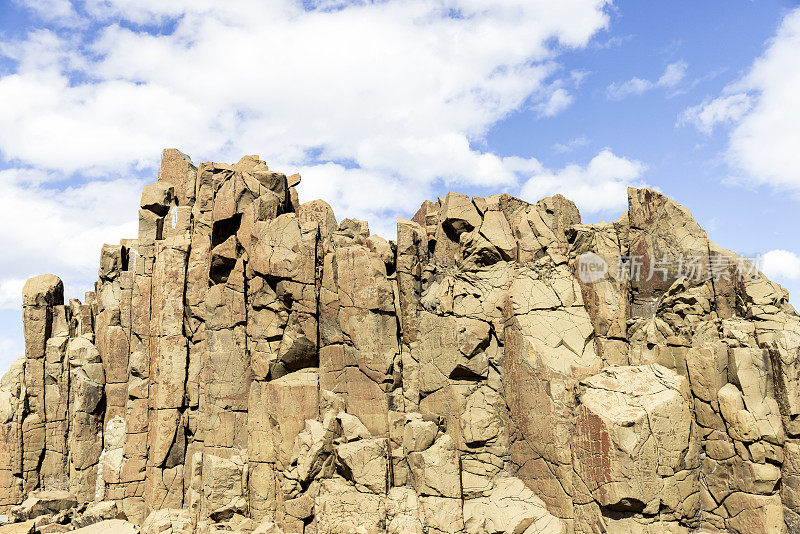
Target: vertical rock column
{"x": 168, "y": 359}
{"x": 197, "y": 284}
{"x": 225, "y": 374}
{"x": 231, "y": 201}
{"x": 167, "y": 350}
{"x": 412, "y": 248}
{"x": 549, "y": 348}
{"x": 11, "y": 413}
{"x": 54, "y": 473}
{"x": 113, "y": 327}
{"x": 605, "y": 295}
{"x": 86, "y": 402}
{"x": 39, "y": 296}
{"x": 111, "y": 332}
{"x": 140, "y": 265}
{"x": 283, "y": 340}
{"x": 357, "y": 359}
{"x": 152, "y": 316}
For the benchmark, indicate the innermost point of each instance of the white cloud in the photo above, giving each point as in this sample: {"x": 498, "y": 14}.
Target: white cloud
{"x": 571, "y": 145}
{"x": 373, "y": 83}
{"x": 781, "y": 264}
{"x": 400, "y": 91}
{"x": 48, "y": 227}
{"x": 765, "y": 114}
{"x": 60, "y": 229}
{"x": 59, "y": 12}
{"x": 559, "y": 100}
{"x": 725, "y": 109}
{"x": 374, "y": 102}
{"x": 11, "y": 293}
{"x": 634, "y": 86}
{"x": 599, "y": 186}
{"x": 764, "y": 144}
{"x": 673, "y": 74}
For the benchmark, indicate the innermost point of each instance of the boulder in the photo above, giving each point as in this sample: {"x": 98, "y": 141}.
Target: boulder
{"x": 365, "y": 464}
{"x": 44, "y": 502}
{"x": 418, "y": 434}
{"x": 510, "y": 507}
{"x": 636, "y": 444}
{"x": 25, "y": 527}
{"x": 43, "y": 290}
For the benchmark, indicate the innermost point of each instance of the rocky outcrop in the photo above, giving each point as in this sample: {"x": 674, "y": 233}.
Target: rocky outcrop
{"x": 248, "y": 364}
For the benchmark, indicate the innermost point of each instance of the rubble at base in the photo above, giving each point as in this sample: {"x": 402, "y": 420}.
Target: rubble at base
{"x": 249, "y": 364}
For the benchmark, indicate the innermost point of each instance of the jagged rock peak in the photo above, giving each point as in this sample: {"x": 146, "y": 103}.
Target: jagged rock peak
{"x": 249, "y": 364}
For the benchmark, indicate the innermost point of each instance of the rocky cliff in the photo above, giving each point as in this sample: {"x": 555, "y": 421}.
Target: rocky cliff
{"x": 249, "y": 364}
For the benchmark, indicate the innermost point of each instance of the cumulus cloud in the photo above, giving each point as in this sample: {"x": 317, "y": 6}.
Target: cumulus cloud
{"x": 353, "y": 82}
{"x": 10, "y": 293}
{"x": 58, "y": 12}
{"x": 599, "y": 186}
{"x": 402, "y": 90}
{"x": 764, "y": 112}
{"x": 60, "y": 229}
{"x": 764, "y": 143}
{"x": 559, "y": 100}
{"x": 375, "y": 103}
{"x": 781, "y": 264}
{"x": 673, "y": 74}
{"x": 48, "y": 227}
{"x": 711, "y": 113}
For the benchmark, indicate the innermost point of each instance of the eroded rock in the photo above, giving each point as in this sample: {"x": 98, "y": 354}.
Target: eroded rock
{"x": 249, "y": 364}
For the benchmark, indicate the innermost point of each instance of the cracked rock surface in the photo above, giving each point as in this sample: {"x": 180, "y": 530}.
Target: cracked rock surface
{"x": 249, "y": 364}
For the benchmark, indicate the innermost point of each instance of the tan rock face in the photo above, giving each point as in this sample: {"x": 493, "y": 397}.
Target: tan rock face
{"x": 636, "y": 445}
{"x": 249, "y": 364}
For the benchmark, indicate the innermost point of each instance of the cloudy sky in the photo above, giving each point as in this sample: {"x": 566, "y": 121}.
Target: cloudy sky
{"x": 380, "y": 105}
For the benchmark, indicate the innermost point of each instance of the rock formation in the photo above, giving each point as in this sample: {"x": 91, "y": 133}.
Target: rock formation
{"x": 249, "y": 364}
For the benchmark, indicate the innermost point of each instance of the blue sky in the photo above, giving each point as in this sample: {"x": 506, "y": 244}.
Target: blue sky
{"x": 382, "y": 105}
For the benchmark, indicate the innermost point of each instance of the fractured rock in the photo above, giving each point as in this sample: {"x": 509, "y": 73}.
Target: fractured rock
{"x": 250, "y": 364}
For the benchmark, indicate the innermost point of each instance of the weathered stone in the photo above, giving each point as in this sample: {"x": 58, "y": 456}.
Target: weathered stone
{"x": 250, "y": 365}
{"x": 340, "y": 508}
{"x": 44, "y": 502}
{"x": 117, "y": 526}
{"x": 157, "y": 197}
{"x": 177, "y": 169}
{"x": 168, "y": 521}
{"x": 26, "y": 527}
{"x": 435, "y": 471}
{"x": 418, "y": 434}
{"x": 44, "y": 290}
{"x": 223, "y": 486}
{"x": 635, "y": 439}
{"x": 459, "y": 214}
{"x": 510, "y": 507}
{"x": 365, "y": 464}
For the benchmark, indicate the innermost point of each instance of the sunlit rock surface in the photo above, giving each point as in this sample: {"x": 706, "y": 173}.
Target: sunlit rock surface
{"x": 249, "y": 364}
